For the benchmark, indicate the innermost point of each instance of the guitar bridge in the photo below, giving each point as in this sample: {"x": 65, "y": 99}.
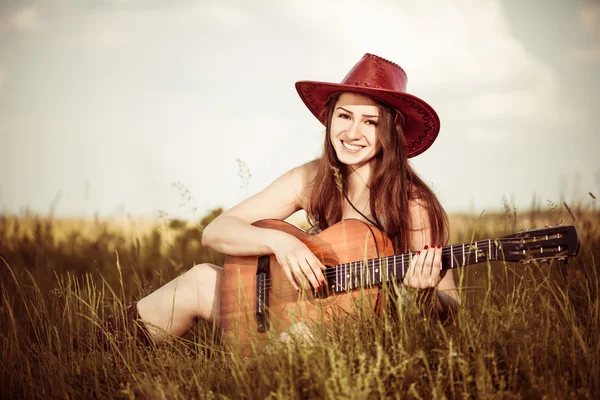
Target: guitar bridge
{"x": 263, "y": 274}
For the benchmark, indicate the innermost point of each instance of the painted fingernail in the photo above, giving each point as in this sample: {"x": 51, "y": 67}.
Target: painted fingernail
{"x": 323, "y": 283}
{"x": 426, "y": 247}
{"x": 418, "y": 252}
{"x": 439, "y": 246}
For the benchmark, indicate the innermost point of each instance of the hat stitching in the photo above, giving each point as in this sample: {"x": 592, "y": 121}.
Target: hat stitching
{"x": 389, "y": 62}
{"x": 425, "y": 116}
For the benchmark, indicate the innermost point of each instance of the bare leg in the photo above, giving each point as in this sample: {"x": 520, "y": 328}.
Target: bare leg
{"x": 174, "y": 308}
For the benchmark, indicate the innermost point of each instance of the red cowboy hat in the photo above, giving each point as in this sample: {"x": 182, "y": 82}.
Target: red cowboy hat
{"x": 383, "y": 80}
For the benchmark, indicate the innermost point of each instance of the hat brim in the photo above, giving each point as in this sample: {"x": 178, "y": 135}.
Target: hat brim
{"x": 421, "y": 122}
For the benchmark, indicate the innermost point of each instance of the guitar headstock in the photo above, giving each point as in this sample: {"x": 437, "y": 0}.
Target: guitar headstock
{"x": 539, "y": 244}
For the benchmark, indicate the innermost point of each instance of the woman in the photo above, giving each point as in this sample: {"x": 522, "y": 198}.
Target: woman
{"x": 372, "y": 127}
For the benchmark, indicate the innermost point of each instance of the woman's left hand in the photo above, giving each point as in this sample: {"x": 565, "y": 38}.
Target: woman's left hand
{"x": 425, "y": 271}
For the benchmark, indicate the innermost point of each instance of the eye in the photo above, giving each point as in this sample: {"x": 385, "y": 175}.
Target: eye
{"x": 344, "y": 116}
{"x": 371, "y": 122}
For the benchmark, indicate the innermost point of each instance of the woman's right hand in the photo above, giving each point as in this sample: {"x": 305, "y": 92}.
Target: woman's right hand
{"x": 300, "y": 265}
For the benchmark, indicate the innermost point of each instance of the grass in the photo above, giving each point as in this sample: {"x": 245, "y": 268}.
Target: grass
{"x": 524, "y": 331}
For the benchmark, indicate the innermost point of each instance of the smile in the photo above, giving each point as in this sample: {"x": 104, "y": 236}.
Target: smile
{"x": 351, "y": 148}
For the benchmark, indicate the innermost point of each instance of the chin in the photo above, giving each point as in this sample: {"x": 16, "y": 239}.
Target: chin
{"x": 352, "y": 161}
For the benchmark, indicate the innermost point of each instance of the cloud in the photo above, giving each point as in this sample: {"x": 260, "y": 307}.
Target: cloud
{"x": 589, "y": 18}
{"x": 27, "y": 19}
{"x": 178, "y": 93}
{"x": 590, "y": 55}
{"x": 461, "y": 49}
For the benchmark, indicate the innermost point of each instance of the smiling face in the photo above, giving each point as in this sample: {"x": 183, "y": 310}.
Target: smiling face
{"x": 353, "y": 131}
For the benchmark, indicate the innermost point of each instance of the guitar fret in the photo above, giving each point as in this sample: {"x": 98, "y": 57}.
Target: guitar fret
{"x": 451, "y": 256}
{"x": 402, "y": 266}
{"x": 345, "y": 278}
{"x": 356, "y": 263}
{"x": 476, "y": 253}
{"x": 395, "y": 274}
{"x": 489, "y": 248}
{"x": 362, "y": 278}
{"x": 355, "y": 276}
{"x": 373, "y": 281}
{"x": 463, "y": 249}
{"x": 349, "y": 276}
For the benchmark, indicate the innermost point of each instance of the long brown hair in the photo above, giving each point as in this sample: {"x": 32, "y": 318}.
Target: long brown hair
{"x": 393, "y": 184}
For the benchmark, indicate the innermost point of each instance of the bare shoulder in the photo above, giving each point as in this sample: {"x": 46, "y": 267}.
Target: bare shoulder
{"x": 306, "y": 174}
{"x": 279, "y": 200}
{"x": 420, "y": 226}
{"x": 417, "y": 209}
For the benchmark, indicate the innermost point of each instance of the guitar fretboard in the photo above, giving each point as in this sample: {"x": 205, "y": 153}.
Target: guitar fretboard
{"x": 368, "y": 273}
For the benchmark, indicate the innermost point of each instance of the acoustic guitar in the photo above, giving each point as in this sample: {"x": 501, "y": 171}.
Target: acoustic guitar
{"x": 259, "y": 302}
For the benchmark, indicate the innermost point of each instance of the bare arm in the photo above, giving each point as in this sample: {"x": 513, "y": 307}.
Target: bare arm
{"x": 232, "y": 232}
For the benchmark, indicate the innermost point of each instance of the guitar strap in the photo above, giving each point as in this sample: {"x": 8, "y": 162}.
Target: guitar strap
{"x": 363, "y": 215}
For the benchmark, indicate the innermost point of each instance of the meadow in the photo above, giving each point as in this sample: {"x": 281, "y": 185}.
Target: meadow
{"x": 523, "y": 331}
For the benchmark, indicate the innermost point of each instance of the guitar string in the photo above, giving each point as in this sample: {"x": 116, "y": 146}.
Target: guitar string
{"x": 409, "y": 256}
{"x": 365, "y": 272}
{"x": 367, "y": 275}
{"x": 356, "y": 273}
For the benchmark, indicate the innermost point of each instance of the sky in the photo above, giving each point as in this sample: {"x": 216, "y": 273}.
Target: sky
{"x": 148, "y": 108}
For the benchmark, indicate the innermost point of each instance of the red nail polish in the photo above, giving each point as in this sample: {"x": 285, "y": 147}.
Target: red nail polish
{"x": 418, "y": 252}
{"x": 426, "y": 247}
{"x": 439, "y": 246}
{"x": 323, "y": 283}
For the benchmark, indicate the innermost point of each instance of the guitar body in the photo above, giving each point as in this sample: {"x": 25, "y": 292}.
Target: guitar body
{"x": 347, "y": 241}
{"x": 259, "y": 304}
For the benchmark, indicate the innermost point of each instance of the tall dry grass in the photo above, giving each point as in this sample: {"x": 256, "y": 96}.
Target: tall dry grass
{"x": 523, "y": 331}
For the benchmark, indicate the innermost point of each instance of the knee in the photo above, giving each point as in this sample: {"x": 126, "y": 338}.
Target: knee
{"x": 205, "y": 273}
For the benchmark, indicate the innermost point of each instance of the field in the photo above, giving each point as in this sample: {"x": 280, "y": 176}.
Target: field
{"x": 523, "y": 331}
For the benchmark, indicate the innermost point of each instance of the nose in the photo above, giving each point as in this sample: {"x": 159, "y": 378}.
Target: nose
{"x": 353, "y": 131}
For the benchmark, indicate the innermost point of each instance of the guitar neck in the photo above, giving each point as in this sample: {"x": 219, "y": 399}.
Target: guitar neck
{"x": 375, "y": 271}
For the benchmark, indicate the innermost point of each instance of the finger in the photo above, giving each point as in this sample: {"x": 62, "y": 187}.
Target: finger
{"x": 318, "y": 270}
{"x": 437, "y": 266}
{"x": 290, "y": 276}
{"x": 427, "y": 274}
{"x": 428, "y": 260}
{"x": 300, "y": 277}
{"x": 410, "y": 273}
{"x": 308, "y": 272}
